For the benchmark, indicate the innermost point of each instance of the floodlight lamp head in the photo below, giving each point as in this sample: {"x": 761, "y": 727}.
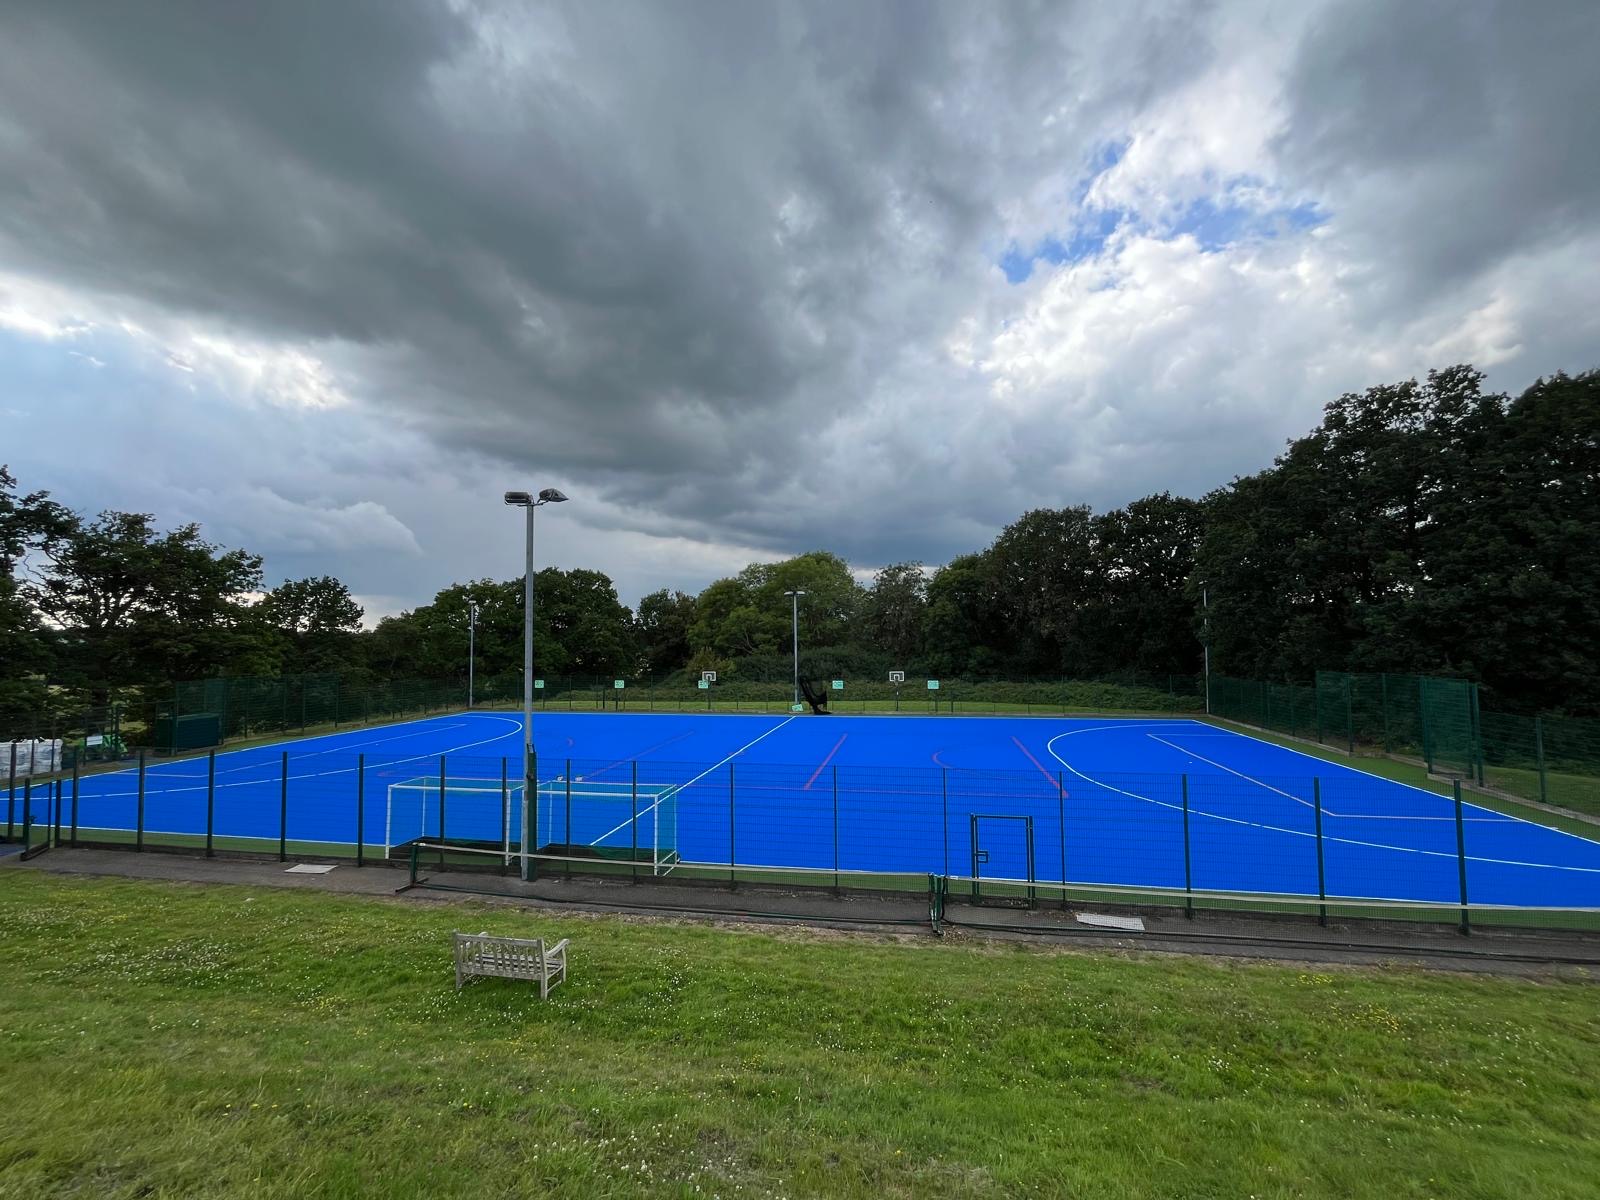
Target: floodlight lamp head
{"x": 552, "y": 496}
{"x": 520, "y": 499}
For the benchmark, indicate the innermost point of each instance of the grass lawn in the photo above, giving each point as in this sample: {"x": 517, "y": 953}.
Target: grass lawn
{"x": 167, "y": 1040}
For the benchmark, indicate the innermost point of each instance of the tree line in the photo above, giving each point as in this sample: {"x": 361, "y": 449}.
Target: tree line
{"x": 1423, "y": 526}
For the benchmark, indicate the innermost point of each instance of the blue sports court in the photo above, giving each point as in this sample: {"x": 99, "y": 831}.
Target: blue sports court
{"x": 1138, "y": 802}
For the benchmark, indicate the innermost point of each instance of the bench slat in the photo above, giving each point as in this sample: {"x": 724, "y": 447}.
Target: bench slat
{"x": 486, "y": 955}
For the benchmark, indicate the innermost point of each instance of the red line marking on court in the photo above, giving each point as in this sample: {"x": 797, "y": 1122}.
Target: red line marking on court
{"x": 825, "y": 762}
{"x": 937, "y": 760}
{"x": 1054, "y": 782}
{"x": 640, "y": 754}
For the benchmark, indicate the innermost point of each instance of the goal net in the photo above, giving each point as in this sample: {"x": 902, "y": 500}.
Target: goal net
{"x": 574, "y": 817}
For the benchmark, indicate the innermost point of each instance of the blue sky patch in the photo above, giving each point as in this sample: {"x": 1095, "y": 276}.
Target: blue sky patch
{"x": 1215, "y": 222}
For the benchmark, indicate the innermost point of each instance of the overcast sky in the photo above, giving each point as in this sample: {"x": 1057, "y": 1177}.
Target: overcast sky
{"x": 749, "y": 279}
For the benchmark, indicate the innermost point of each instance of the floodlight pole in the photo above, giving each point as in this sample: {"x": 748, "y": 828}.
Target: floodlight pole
{"x": 472, "y": 644}
{"x": 1205, "y": 625}
{"x": 530, "y": 757}
{"x": 795, "y": 598}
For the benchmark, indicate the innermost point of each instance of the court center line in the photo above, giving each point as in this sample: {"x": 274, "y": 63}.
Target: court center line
{"x": 823, "y": 764}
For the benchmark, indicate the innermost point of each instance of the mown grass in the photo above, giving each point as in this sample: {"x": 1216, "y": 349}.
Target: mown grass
{"x": 164, "y": 1040}
{"x": 1580, "y": 793}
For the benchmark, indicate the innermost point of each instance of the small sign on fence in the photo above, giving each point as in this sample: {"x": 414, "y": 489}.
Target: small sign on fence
{"x": 838, "y": 685}
{"x": 897, "y": 676}
{"x": 538, "y": 685}
{"x": 933, "y": 685}
{"x": 619, "y": 684}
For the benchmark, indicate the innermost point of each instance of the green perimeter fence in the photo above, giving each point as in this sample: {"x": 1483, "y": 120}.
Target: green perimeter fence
{"x": 1551, "y": 760}
{"x": 109, "y": 725}
{"x": 1438, "y": 722}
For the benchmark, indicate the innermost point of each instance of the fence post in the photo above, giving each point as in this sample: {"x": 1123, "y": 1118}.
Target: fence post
{"x": 1188, "y": 874}
{"x": 944, "y": 793}
{"x": 55, "y": 790}
{"x": 568, "y": 855}
{"x": 505, "y": 809}
{"x": 633, "y": 806}
{"x": 1061, "y": 807}
{"x": 138, "y": 837}
{"x": 211, "y": 799}
{"x": 442, "y": 780}
{"x": 361, "y": 809}
{"x": 283, "y": 808}
{"x": 1427, "y": 725}
{"x": 733, "y": 879}
{"x": 1322, "y": 888}
{"x": 74, "y": 804}
{"x": 1476, "y": 732}
{"x": 11, "y": 796}
{"x": 27, "y": 811}
{"x": 1538, "y": 751}
{"x": 1461, "y": 855}
{"x": 835, "y": 830}
{"x": 1349, "y": 717}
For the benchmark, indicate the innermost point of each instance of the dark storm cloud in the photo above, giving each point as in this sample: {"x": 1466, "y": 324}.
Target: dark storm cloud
{"x": 730, "y": 269}
{"x": 1455, "y": 134}
{"x": 662, "y": 243}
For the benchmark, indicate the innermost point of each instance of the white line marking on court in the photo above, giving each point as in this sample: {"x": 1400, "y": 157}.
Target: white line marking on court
{"x": 272, "y": 776}
{"x": 1228, "y": 769}
{"x": 1200, "y": 812}
{"x": 685, "y": 786}
{"x": 1338, "y": 766}
{"x": 1496, "y": 819}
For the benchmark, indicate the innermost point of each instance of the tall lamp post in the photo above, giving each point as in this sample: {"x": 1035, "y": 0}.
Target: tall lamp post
{"x": 530, "y": 758}
{"x": 795, "y": 606}
{"x": 472, "y": 644}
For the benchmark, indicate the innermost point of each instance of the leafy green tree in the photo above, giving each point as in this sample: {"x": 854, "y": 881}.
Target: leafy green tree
{"x": 716, "y": 628}
{"x": 591, "y": 631}
{"x": 317, "y": 619}
{"x": 895, "y": 609}
{"x": 27, "y": 524}
{"x": 749, "y": 615}
{"x": 664, "y": 622}
{"x": 580, "y": 627}
{"x": 137, "y": 605}
{"x": 1144, "y": 620}
{"x": 965, "y": 628}
{"x": 1509, "y": 546}
{"x": 1047, "y": 579}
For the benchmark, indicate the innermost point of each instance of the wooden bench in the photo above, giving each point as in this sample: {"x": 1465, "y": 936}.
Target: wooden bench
{"x": 485, "y": 954}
